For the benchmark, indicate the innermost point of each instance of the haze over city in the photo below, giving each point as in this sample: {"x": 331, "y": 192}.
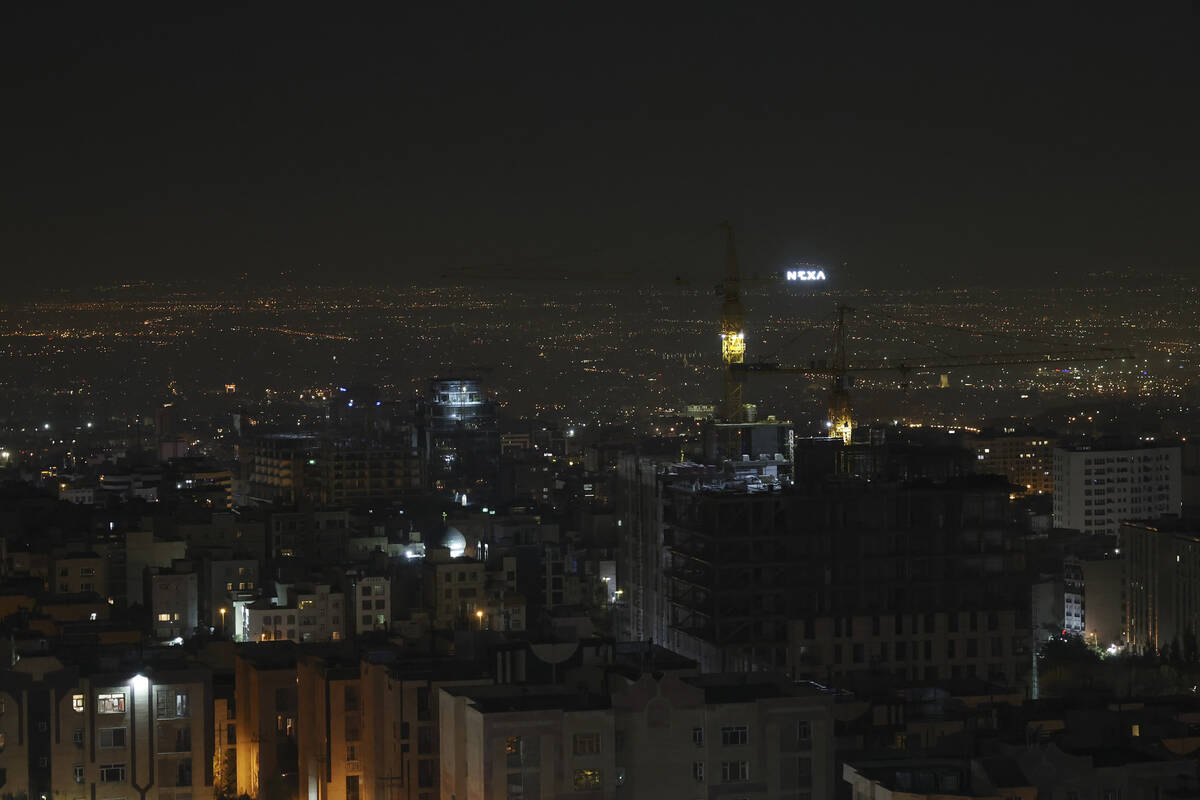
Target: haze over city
{"x": 515, "y": 401}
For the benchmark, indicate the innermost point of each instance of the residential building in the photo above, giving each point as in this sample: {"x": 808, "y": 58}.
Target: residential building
{"x": 1025, "y": 459}
{"x": 174, "y": 604}
{"x": 454, "y": 589}
{"x": 229, "y": 580}
{"x": 318, "y": 615}
{"x": 1162, "y": 583}
{"x": 372, "y": 604}
{"x": 1097, "y": 488}
{"x": 267, "y": 706}
{"x": 79, "y": 572}
{"x": 656, "y": 736}
{"x": 75, "y": 734}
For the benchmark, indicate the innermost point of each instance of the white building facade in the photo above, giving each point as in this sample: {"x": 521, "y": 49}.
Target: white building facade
{"x": 1096, "y": 490}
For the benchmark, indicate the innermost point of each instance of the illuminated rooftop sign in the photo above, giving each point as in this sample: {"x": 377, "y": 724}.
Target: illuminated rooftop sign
{"x": 806, "y": 274}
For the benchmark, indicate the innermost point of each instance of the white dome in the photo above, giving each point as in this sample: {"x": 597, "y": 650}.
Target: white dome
{"x": 454, "y": 541}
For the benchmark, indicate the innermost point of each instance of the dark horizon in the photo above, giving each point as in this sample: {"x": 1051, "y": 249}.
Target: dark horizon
{"x": 995, "y": 147}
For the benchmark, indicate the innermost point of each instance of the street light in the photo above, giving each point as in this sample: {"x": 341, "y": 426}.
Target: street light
{"x": 222, "y": 620}
{"x": 479, "y": 616}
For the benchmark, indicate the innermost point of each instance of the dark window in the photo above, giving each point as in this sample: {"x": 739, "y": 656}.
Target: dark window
{"x": 352, "y": 787}
{"x": 423, "y": 710}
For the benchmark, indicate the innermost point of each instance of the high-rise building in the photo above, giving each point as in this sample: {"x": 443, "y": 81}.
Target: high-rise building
{"x": 826, "y": 580}
{"x": 463, "y": 438}
{"x": 1162, "y": 583}
{"x": 1096, "y": 488}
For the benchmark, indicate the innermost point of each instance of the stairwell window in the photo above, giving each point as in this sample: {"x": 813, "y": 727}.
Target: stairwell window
{"x": 735, "y": 771}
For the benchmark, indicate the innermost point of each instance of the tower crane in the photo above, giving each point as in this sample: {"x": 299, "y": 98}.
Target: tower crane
{"x": 837, "y": 370}
{"x": 733, "y": 335}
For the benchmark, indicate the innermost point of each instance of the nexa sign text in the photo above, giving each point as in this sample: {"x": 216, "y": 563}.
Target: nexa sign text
{"x": 806, "y": 274}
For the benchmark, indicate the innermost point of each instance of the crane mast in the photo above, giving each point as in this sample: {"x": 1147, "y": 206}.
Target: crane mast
{"x": 841, "y": 422}
{"x": 733, "y": 335}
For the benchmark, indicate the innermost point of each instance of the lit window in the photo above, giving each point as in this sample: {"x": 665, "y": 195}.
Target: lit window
{"x": 113, "y": 703}
{"x": 77, "y": 702}
{"x": 586, "y": 779}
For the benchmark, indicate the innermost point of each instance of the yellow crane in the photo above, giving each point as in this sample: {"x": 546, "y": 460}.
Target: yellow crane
{"x": 837, "y": 370}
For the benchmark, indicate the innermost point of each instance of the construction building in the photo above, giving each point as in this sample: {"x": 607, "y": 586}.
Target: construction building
{"x": 824, "y": 580}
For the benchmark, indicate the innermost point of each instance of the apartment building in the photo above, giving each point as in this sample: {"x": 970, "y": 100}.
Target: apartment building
{"x": 318, "y": 615}
{"x": 661, "y": 736}
{"x": 372, "y": 604}
{"x": 267, "y": 704}
{"x": 106, "y": 736}
{"x": 368, "y": 728}
{"x": 454, "y": 589}
{"x": 1097, "y": 488}
{"x": 175, "y": 604}
{"x": 1025, "y": 459}
{"x": 76, "y": 573}
{"x": 1162, "y": 583}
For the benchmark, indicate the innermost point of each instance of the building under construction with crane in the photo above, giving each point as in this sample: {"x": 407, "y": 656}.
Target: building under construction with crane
{"x": 841, "y": 569}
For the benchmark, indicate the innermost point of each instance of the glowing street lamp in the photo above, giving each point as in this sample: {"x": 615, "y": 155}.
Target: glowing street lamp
{"x": 223, "y": 620}
{"x": 479, "y": 616}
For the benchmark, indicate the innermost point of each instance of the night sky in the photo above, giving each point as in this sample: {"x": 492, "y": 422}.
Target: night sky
{"x": 967, "y": 142}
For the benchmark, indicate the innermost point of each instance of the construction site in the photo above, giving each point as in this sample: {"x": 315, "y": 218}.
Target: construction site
{"x": 829, "y": 557}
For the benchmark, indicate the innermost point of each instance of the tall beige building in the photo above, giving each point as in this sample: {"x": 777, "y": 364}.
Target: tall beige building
{"x": 73, "y": 735}
{"x": 368, "y": 727}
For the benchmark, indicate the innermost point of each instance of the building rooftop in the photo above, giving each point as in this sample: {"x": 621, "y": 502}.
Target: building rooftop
{"x": 508, "y": 698}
